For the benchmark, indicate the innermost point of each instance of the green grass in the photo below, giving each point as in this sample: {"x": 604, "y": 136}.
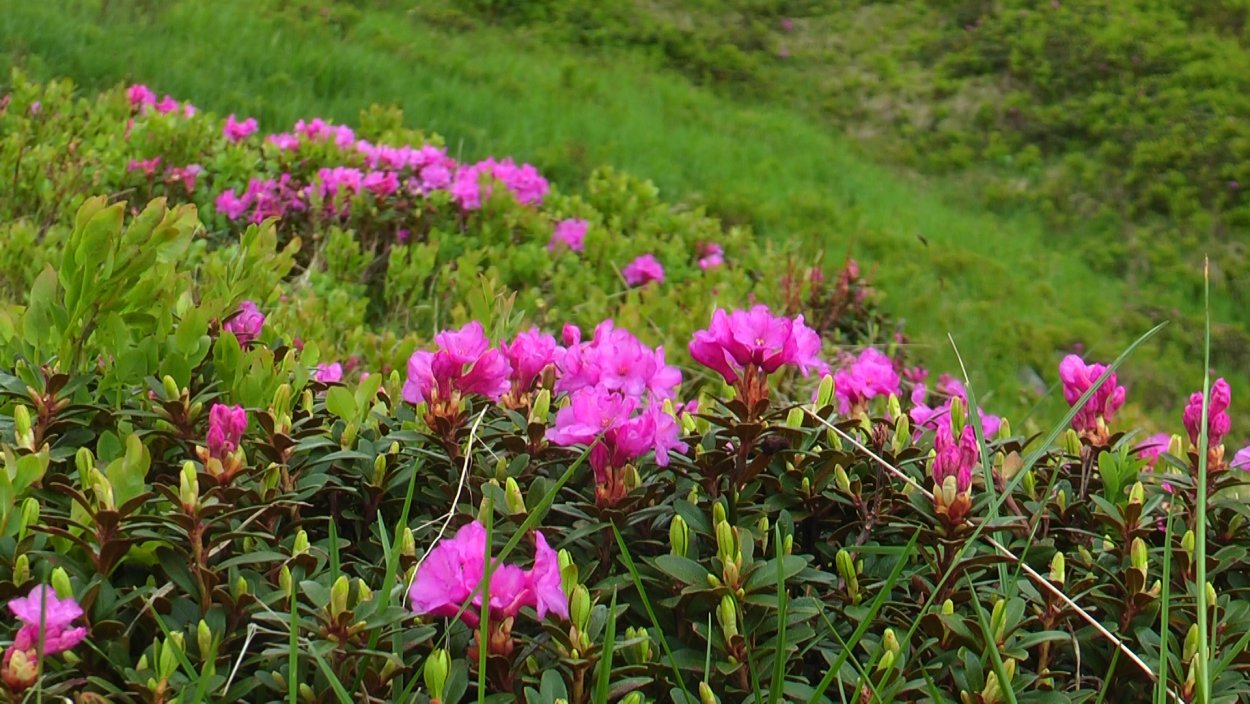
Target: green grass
{"x": 1010, "y": 297}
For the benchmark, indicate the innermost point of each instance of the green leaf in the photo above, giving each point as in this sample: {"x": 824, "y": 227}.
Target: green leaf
{"x": 341, "y": 403}
{"x": 683, "y": 569}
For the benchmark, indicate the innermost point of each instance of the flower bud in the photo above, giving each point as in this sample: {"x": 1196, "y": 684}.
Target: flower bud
{"x": 1057, "y": 569}
{"x": 692, "y": 496}
{"x": 1108, "y": 545}
{"x": 958, "y": 416}
{"x": 167, "y": 664}
{"x": 171, "y": 387}
{"x": 1176, "y": 446}
{"x": 1191, "y": 643}
{"x": 22, "y": 426}
{"x": 408, "y": 544}
{"x": 306, "y": 401}
{"x": 348, "y": 439}
{"x": 188, "y": 487}
{"x": 726, "y": 546}
{"x": 285, "y": 581}
{"x": 379, "y": 470}
{"x": 846, "y": 569}
{"x": 889, "y": 641}
{"x": 437, "y": 667}
{"x": 540, "y": 407}
{"x": 1029, "y": 482}
{"x": 633, "y": 698}
{"x": 1140, "y": 555}
{"x": 501, "y": 469}
{"x": 840, "y": 479}
{"x": 788, "y": 544}
{"x": 1212, "y": 597}
{"x": 363, "y": 592}
{"x": 718, "y": 513}
{"x": 886, "y": 662}
{"x": 300, "y": 545}
{"x": 61, "y": 584}
{"x": 1004, "y": 429}
{"x": 85, "y": 462}
{"x": 762, "y": 527}
{"x": 902, "y": 433}
{"x": 203, "y": 635}
{"x": 1070, "y": 443}
{"x": 513, "y": 499}
{"x": 727, "y": 616}
{"x": 998, "y": 620}
{"x": 679, "y": 536}
{"x": 1137, "y": 494}
{"x": 307, "y": 693}
{"x": 21, "y": 569}
{"x": 102, "y": 488}
{"x": 239, "y": 588}
{"x": 824, "y": 392}
{"x": 706, "y": 696}
{"x": 579, "y": 607}
{"x": 568, "y": 571}
{"x": 339, "y": 591}
{"x": 29, "y": 516}
{"x": 1061, "y": 500}
{"x": 1188, "y": 544}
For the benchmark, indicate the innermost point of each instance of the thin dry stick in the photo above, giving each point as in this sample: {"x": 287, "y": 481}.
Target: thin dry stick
{"x": 1037, "y": 578}
{"x": 451, "y": 511}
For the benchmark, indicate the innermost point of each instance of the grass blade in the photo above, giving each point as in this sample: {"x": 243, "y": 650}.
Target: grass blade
{"x": 779, "y": 661}
{"x": 991, "y": 645}
{"x": 483, "y": 638}
{"x": 646, "y": 603}
{"x": 604, "y": 679}
{"x": 1202, "y": 665}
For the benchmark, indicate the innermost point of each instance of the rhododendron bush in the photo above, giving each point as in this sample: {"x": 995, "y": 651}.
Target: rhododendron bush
{"x": 194, "y": 505}
{"x": 205, "y": 499}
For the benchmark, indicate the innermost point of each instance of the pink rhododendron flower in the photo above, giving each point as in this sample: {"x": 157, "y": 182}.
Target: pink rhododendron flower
{"x": 226, "y": 425}
{"x": 1242, "y": 459}
{"x": 955, "y": 459}
{"x": 186, "y": 175}
{"x": 274, "y": 197}
{"x": 166, "y": 105}
{"x": 1218, "y": 422}
{"x": 939, "y": 417}
{"x": 712, "y": 256}
{"x": 872, "y": 374}
{"x": 329, "y": 373}
{"x": 140, "y": 96}
{"x": 454, "y": 568}
{"x": 464, "y": 363}
{"x": 284, "y": 141}
{"x": 617, "y": 361}
{"x": 570, "y": 233}
{"x": 229, "y": 203}
{"x": 45, "y": 615}
{"x": 595, "y": 411}
{"x": 189, "y": 110}
{"x": 236, "y": 130}
{"x": 147, "y": 166}
{"x": 381, "y": 183}
{"x": 247, "y": 323}
{"x": 402, "y": 235}
{"x": 756, "y": 338}
{"x": 529, "y": 354}
{"x": 1153, "y": 447}
{"x": 1078, "y": 377}
{"x": 643, "y": 270}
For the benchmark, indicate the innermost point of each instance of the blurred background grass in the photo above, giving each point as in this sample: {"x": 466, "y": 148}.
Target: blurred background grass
{"x": 840, "y": 126}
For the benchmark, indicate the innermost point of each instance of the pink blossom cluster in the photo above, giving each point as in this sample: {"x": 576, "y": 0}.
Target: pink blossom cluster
{"x": 236, "y": 130}
{"x": 569, "y": 233}
{"x": 627, "y": 426}
{"x": 142, "y": 99}
{"x": 329, "y": 373}
{"x": 1079, "y": 377}
{"x": 265, "y": 198}
{"x": 757, "y": 340}
{"x": 1218, "y": 422}
{"x": 955, "y": 458}
{"x": 246, "y": 323}
{"x": 226, "y": 425}
{"x": 471, "y": 183}
{"x": 464, "y": 363}
{"x": 454, "y": 569}
{"x": 711, "y": 255}
{"x": 871, "y": 374}
{"x": 185, "y": 175}
{"x": 643, "y": 270}
{"x": 529, "y": 355}
{"x": 44, "y": 614}
{"x": 616, "y": 361}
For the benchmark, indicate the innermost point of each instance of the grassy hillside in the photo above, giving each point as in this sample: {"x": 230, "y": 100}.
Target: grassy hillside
{"x": 1011, "y": 294}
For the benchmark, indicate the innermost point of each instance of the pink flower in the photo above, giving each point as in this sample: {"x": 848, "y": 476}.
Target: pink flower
{"x": 226, "y": 425}
{"x": 166, "y": 105}
{"x": 186, "y": 175}
{"x": 329, "y": 373}
{"x": 246, "y": 323}
{"x": 872, "y": 374}
{"x": 1242, "y": 459}
{"x": 756, "y": 338}
{"x": 228, "y": 203}
{"x": 465, "y": 363}
{"x": 237, "y": 131}
{"x": 140, "y": 96}
{"x": 381, "y": 183}
{"x": 453, "y": 570}
{"x": 594, "y": 412}
{"x": 284, "y": 141}
{"x": 1218, "y": 422}
{"x": 1078, "y": 377}
{"x": 643, "y": 270}
{"x": 1153, "y": 447}
{"x": 939, "y": 417}
{"x": 43, "y": 613}
{"x": 713, "y": 255}
{"x": 955, "y": 459}
{"x": 529, "y": 354}
{"x": 147, "y": 166}
{"x": 617, "y": 361}
{"x": 569, "y": 233}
